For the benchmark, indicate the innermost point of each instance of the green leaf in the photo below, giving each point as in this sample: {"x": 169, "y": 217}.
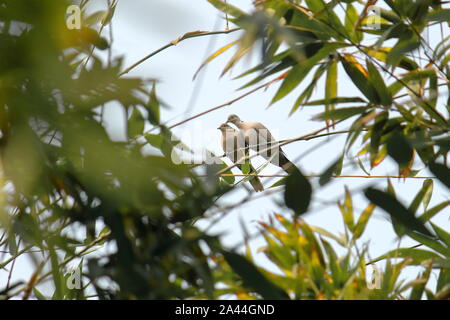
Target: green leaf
{"x": 347, "y": 210}
{"x": 441, "y": 172}
{"x": 228, "y": 179}
{"x": 419, "y": 74}
{"x": 297, "y": 195}
{"x": 94, "y": 18}
{"x": 359, "y": 77}
{"x": 422, "y": 196}
{"x": 362, "y": 221}
{"x": 334, "y": 100}
{"x": 279, "y": 183}
{"x": 418, "y": 256}
{"x": 438, "y": 15}
{"x": 213, "y": 56}
{"x": 331, "y": 86}
{"x": 341, "y": 240}
{"x": 153, "y": 108}
{"x": 245, "y": 168}
{"x": 341, "y": 114}
{"x": 301, "y": 70}
{"x": 38, "y": 294}
{"x": 378, "y": 83}
{"x": 351, "y": 18}
{"x": 109, "y": 15}
{"x": 228, "y": 8}
{"x": 433, "y": 211}
{"x": 57, "y": 276}
{"x": 397, "y": 211}
{"x": 12, "y": 244}
{"x": 156, "y": 140}
{"x": 399, "y": 149}
{"x": 335, "y": 167}
{"x": 254, "y": 278}
{"x": 442, "y": 234}
{"x": 407, "y": 43}
{"x": 431, "y": 243}
{"x": 136, "y": 124}
{"x": 307, "y": 93}
{"x": 375, "y": 138}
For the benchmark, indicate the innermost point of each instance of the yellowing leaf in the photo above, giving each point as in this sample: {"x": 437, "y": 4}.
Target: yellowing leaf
{"x": 215, "y": 55}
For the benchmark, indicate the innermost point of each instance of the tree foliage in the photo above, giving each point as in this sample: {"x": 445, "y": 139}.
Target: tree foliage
{"x": 68, "y": 189}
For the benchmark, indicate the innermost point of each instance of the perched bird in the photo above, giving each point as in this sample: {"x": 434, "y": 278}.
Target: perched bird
{"x": 233, "y": 144}
{"x": 259, "y": 138}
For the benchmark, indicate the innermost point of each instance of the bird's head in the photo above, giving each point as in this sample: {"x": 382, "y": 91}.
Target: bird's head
{"x": 234, "y": 119}
{"x": 224, "y": 127}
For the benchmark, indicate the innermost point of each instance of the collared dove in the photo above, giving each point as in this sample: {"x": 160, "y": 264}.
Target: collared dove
{"x": 259, "y": 138}
{"x": 233, "y": 145}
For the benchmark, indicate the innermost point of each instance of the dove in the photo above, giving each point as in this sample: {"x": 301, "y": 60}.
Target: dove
{"x": 233, "y": 144}
{"x": 259, "y": 138}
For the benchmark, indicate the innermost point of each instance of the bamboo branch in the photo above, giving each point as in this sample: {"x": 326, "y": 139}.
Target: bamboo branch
{"x": 188, "y": 35}
{"x": 278, "y": 145}
{"x": 318, "y": 175}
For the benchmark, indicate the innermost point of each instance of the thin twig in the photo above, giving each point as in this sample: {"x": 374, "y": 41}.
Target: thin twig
{"x": 318, "y": 175}
{"x": 188, "y": 35}
{"x": 229, "y": 102}
{"x": 277, "y": 145}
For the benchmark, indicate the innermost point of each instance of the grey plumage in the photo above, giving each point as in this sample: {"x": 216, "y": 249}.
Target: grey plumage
{"x": 259, "y": 138}
{"x": 234, "y": 146}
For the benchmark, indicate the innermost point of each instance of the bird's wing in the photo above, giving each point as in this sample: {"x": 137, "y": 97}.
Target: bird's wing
{"x": 233, "y": 145}
{"x": 257, "y": 135}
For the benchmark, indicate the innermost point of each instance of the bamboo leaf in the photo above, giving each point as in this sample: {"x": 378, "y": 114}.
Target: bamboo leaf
{"x": 136, "y": 123}
{"x": 438, "y": 15}
{"x": 351, "y": 18}
{"x": 228, "y": 8}
{"x": 254, "y": 278}
{"x": 378, "y": 83}
{"x": 301, "y": 70}
{"x": 333, "y": 169}
{"x": 442, "y": 234}
{"x": 297, "y": 195}
{"x": 399, "y": 149}
{"x": 362, "y": 221}
{"x": 418, "y": 256}
{"x": 334, "y": 100}
{"x": 341, "y": 114}
{"x": 153, "y": 107}
{"x": 441, "y": 172}
{"x": 423, "y": 195}
{"x": 359, "y": 77}
{"x": 433, "y": 211}
{"x": 304, "y": 97}
{"x": 396, "y": 210}
{"x": 419, "y": 287}
{"x": 213, "y": 56}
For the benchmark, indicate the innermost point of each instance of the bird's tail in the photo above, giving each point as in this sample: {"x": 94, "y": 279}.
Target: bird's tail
{"x": 255, "y": 182}
{"x": 285, "y": 163}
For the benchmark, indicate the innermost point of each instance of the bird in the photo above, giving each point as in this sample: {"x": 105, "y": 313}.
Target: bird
{"x": 233, "y": 144}
{"x": 259, "y": 139}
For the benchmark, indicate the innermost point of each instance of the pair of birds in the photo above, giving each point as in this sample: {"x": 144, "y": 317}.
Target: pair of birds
{"x": 255, "y": 136}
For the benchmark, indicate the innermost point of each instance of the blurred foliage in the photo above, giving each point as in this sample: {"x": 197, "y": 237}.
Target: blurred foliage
{"x": 67, "y": 187}
{"x": 402, "y": 111}
{"x": 308, "y": 266}
{"x": 69, "y": 190}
